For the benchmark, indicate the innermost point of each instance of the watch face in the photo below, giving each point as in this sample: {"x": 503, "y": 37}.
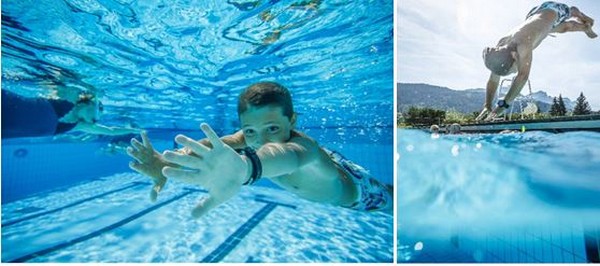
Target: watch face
{"x": 501, "y": 103}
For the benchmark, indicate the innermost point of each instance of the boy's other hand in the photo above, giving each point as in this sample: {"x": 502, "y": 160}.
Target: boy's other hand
{"x": 147, "y": 162}
{"x": 220, "y": 169}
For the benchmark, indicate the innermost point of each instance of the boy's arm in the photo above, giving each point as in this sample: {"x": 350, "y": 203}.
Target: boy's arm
{"x": 284, "y": 158}
{"x": 222, "y": 171}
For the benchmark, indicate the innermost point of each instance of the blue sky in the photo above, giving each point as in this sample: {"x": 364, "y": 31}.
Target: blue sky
{"x": 440, "y": 43}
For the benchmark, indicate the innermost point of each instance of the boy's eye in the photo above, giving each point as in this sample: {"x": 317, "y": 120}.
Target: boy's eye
{"x": 249, "y": 132}
{"x": 273, "y": 129}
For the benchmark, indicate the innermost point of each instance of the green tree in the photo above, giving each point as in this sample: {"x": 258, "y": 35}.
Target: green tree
{"x": 582, "y": 107}
{"x": 562, "y": 109}
{"x": 554, "y": 108}
{"x": 424, "y": 116}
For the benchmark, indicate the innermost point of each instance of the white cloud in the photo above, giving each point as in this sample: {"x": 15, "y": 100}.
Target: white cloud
{"x": 440, "y": 43}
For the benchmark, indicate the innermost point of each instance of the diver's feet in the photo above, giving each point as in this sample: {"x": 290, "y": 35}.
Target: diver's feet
{"x": 588, "y": 30}
{"x": 590, "y": 33}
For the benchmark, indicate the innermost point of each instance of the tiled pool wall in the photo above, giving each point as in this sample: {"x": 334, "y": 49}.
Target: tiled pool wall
{"x": 549, "y": 243}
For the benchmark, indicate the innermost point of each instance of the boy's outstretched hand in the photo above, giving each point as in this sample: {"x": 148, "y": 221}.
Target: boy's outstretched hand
{"x": 221, "y": 170}
{"x": 148, "y": 162}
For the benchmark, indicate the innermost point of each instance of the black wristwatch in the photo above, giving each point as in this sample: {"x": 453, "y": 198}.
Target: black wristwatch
{"x": 256, "y": 165}
{"x": 502, "y": 103}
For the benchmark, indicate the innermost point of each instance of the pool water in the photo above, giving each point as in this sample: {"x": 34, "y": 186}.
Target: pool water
{"x": 175, "y": 64}
{"x": 522, "y": 197}
{"x": 166, "y": 67}
{"x": 110, "y": 219}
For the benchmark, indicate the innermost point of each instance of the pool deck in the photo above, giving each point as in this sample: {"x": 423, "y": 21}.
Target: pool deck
{"x": 555, "y": 125}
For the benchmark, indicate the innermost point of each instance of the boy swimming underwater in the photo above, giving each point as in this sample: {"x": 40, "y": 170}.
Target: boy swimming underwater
{"x": 268, "y": 146}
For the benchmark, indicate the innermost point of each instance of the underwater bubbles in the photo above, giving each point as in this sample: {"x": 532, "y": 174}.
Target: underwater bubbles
{"x": 455, "y": 150}
{"x": 419, "y": 246}
{"x": 20, "y": 153}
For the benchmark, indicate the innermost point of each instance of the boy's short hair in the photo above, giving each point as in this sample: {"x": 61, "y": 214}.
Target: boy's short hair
{"x": 499, "y": 61}
{"x": 266, "y": 93}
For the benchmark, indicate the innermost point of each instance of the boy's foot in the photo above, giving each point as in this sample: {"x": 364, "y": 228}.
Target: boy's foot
{"x": 590, "y": 33}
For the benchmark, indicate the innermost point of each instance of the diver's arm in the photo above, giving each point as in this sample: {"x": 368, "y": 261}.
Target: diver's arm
{"x": 523, "y": 67}
{"x": 490, "y": 90}
{"x": 98, "y": 129}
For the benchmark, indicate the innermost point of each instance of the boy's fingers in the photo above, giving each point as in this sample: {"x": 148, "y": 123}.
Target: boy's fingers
{"x": 135, "y": 166}
{"x": 184, "y": 160}
{"x": 206, "y": 204}
{"x": 154, "y": 192}
{"x": 146, "y": 140}
{"x": 134, "y": 153}
{"x": 137, "y": 144}
{"x": 186, "y": 176}
{"x": 195, "y": 146}
{"x": 153, "y": 195}
{"x": 211, "y": 135}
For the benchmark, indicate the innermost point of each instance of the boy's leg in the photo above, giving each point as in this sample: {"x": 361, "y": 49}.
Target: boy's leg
{"x": 572, "y": 25}
{"x": 575, "y": 12}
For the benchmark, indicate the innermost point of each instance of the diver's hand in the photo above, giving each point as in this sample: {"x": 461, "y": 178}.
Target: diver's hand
{"x": 483, "y": 114}
{"x": 219, "y": 169}
{"x": 495, "y": 113}
{"x": 148, "y": 162}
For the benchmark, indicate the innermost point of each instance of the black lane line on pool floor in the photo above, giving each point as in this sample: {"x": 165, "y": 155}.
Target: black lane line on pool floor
{"x": 96, "y": 233}
{"x": 233, "y": 240}
{"x": 25, "y": 218}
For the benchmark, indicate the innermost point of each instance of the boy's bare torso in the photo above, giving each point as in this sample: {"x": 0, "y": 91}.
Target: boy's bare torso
{"x": 320, "y": 181}
{"x": 532, "y": 31}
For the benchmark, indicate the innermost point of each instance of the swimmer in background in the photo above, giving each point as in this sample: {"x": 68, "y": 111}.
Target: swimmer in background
{"x": 454, "y": 129}
{"x": 38, "y": 117}
{"x": 435, "y": 131}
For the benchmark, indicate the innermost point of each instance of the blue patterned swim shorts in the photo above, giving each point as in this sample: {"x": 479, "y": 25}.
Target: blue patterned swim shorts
{"x": 372, "y": 194}
{"x": 563, "y": 12}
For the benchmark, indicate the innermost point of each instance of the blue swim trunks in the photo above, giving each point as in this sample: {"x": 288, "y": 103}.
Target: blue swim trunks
{"x": 372, "y": 194}
{"x": 563, "y": 12}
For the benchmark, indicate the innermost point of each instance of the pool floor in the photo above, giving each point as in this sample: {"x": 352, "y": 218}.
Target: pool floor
{"x": 111, "y": 219}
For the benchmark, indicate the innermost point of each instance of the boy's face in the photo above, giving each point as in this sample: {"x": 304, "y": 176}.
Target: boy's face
{"x": 265, "y": 124}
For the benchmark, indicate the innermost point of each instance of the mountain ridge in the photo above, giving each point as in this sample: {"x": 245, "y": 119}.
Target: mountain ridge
{"x": 464, "y": 101}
